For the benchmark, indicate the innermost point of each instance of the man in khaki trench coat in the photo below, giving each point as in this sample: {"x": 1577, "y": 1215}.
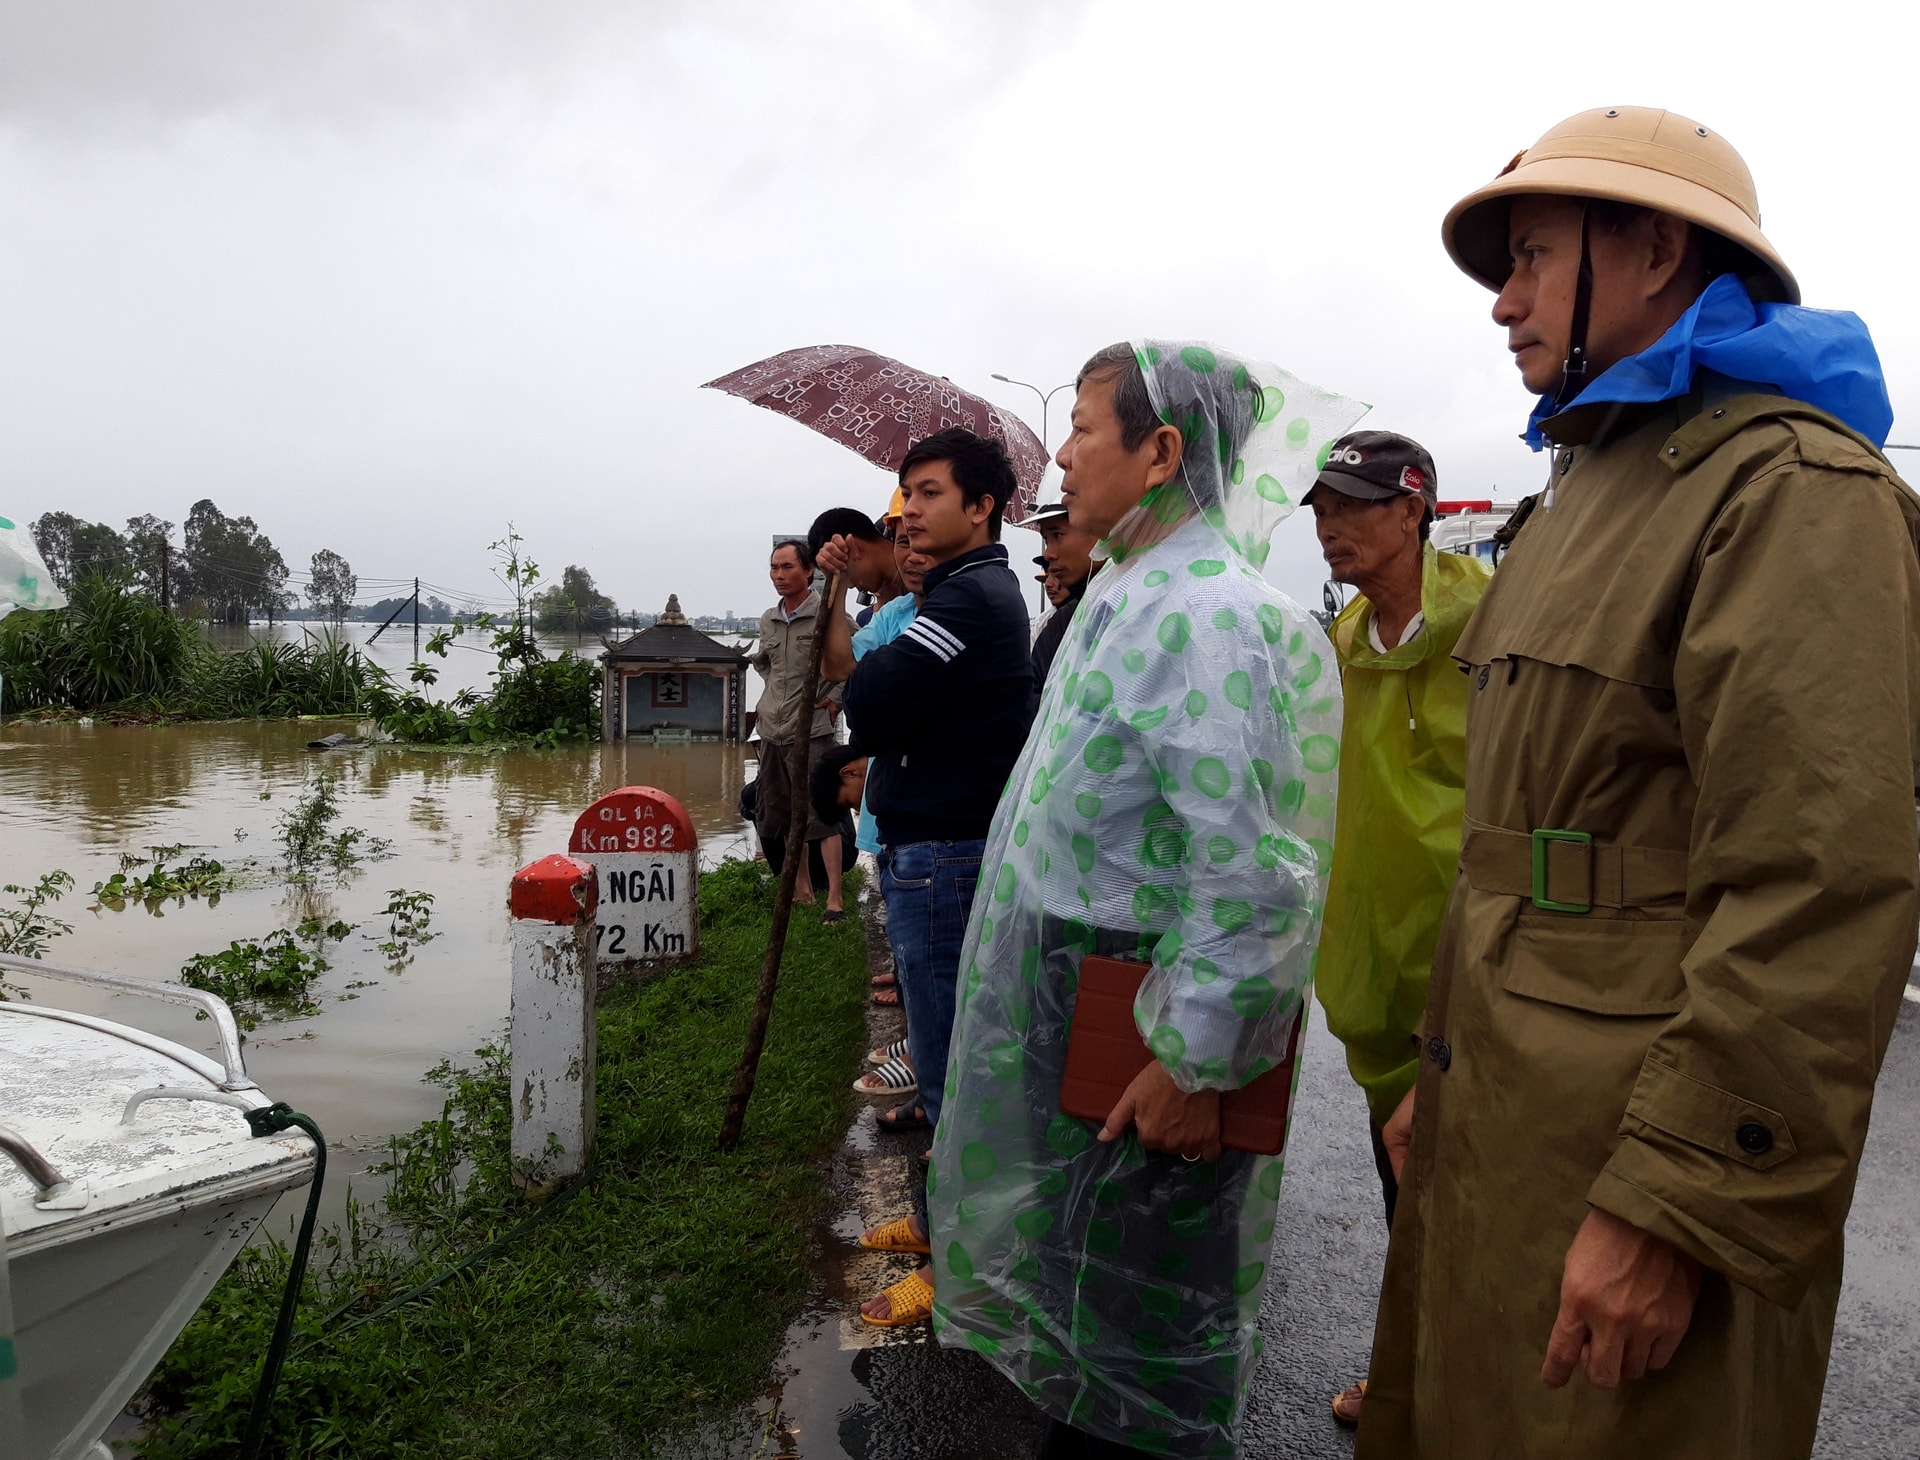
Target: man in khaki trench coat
{"x": 1687, "y": 900}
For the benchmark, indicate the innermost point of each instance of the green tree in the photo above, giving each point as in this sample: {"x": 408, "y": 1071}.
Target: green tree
{"x": 574, "y": 605}
{"x": 232, "y": 565}
{"x": 53, "y": 535}
{"x": 333, "y": 586}
{"x": 74, "y": 549}
{"x": 149, "y": 543}
{"x": 433, "y": 610}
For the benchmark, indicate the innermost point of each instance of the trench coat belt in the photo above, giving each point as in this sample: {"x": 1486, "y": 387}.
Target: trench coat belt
{"x": 1599, "y": 874}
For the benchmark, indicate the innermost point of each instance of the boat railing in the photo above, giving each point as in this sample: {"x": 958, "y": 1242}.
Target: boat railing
{"x": 233, "y": 1066}
{"x": 52, "y": 1191}
{"x": 38, "y": 1168}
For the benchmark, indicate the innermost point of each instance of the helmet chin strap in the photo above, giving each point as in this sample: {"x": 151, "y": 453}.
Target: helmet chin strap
{"x": 1573, "y": 371}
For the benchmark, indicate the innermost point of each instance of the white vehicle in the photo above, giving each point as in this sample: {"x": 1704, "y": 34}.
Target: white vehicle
{"x": 1468, "y": 527}
{"x": 134, "y": 1180}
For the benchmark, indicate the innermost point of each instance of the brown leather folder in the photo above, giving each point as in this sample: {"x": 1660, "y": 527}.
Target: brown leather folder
{"x": 1105, "y": 1052}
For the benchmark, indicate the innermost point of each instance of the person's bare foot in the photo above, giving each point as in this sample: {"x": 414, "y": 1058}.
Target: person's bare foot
{"x": 880, "y": 1307}
{"x": 1346, "y": 1404}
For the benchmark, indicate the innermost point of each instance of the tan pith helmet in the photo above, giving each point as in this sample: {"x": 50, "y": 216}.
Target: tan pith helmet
{"x": 1628, "y": 154}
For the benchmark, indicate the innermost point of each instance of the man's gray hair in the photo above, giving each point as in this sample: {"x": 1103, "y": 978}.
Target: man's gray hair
{"x": 1117, "y": 363}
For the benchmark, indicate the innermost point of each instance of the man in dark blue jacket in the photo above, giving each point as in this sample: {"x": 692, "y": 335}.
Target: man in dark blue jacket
{"x": 943, "y": 711}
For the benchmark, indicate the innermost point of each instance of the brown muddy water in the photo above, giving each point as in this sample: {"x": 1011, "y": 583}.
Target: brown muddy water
{"x": 79, "y": 798}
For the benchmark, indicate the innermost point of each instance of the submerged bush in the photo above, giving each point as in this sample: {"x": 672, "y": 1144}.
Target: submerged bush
{"x": 108, "y": 645}
{"x": 25, "y": 925}
{"x": 278, "y": 680}
{"x": 307, "y": 837}
{"x": 534, "y": 700}
{"x": 541, "y": 701}
{"x": 112, "y": 646}
{"x": 267, "y": 979}
{"x": 195, "y": 877}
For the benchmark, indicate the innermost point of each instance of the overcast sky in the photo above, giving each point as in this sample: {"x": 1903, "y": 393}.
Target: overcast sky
{"x": 387, "y": 275}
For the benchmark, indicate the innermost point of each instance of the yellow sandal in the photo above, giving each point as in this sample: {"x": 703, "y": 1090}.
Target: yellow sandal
{"x": 909, "y": 1301}
{"x": 895, "y": 1236}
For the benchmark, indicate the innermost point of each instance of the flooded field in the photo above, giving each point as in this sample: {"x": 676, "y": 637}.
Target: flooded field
{"x": 80, "y": 798}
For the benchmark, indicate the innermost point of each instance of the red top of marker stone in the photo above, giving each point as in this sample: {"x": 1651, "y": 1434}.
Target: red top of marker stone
{"x": 633, "y": 819}
{"x": 554, "y": 890}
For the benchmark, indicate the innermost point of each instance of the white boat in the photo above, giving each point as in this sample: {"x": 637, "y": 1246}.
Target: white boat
{"x": 134, "y": 1180}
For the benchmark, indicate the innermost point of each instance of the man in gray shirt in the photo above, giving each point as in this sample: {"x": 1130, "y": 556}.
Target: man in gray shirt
{"x": 786, "y": 646}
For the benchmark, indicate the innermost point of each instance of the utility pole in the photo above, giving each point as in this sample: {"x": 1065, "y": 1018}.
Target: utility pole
{"x": 416, "y": 620}
{"x": 166, "y": 557}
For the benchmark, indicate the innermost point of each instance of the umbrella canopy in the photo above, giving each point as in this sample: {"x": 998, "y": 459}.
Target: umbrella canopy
{"x": 878, "y": 407}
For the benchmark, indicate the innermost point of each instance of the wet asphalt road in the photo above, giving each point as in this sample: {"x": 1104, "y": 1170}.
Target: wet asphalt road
{"x": 1318, "y": 1315}
{"x": 907, "y": 1399}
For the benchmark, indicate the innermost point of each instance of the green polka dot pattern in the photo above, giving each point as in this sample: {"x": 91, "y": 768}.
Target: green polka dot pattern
{"x": 1172, "y": 804}
{"x": 24, "y": 579}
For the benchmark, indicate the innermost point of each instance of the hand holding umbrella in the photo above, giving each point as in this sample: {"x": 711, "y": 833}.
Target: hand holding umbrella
{"x": 877, "y": 407}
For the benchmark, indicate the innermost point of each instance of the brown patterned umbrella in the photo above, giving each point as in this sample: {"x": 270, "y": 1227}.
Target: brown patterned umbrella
{"x": 878, "y": 407}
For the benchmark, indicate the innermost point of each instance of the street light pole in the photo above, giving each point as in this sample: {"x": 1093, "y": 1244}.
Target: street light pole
{"x": 1045, "y": 398}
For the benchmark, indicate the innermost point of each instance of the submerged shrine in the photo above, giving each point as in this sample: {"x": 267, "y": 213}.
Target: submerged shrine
{"x": 670, "y": 681}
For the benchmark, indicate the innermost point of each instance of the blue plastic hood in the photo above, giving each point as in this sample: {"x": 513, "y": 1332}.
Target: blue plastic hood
{"x": 1824, "y": 357}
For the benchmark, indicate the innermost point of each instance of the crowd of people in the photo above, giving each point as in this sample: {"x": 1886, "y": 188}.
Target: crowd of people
{"x": 1603, "y": 864}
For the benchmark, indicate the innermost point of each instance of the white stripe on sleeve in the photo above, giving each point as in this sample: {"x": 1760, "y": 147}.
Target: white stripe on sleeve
{"x": 943, "y": 632}
{"x": 929, "y": 641}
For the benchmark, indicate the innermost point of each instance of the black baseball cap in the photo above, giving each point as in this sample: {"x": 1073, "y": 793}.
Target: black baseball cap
{"x": 1374, "y": 466}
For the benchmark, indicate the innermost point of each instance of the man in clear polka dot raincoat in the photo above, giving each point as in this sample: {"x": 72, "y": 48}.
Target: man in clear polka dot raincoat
{"x": 1174, "y": 804}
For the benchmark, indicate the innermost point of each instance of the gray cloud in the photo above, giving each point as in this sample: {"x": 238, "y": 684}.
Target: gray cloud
{"x": 385, "y": 276}
{"x": 94, "y": 70}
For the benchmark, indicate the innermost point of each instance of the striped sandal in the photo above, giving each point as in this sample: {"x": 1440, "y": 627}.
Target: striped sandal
{"x": 895, "y": 1236}
{"x": 895, "y": 1051}
{"x": 909, "y": 1301}
{"x": 895, "y": 1077}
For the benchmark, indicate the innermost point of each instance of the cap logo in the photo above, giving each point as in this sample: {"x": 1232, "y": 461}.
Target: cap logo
{"x": 1412, "y": 479}
{"x": 1346, "y": 456}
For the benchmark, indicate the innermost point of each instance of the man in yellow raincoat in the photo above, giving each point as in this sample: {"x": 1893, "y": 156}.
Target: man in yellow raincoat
{"x": 1688, "y": 879}
{"x": 1402, "y": 765}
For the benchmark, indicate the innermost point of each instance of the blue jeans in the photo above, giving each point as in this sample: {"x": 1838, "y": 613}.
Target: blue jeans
{"x": 929, "y": 891}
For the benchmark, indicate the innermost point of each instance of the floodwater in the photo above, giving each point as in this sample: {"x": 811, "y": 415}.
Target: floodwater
{"x": 79, "y": 798}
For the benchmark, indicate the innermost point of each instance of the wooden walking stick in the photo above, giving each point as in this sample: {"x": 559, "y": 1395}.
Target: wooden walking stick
{"x": 743, "y": 1077}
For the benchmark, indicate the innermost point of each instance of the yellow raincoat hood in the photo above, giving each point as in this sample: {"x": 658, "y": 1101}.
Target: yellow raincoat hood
{"x": 1397, "y": 837}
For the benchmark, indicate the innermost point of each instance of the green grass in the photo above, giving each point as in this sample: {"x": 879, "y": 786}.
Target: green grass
{"x": 655, "y": 1298}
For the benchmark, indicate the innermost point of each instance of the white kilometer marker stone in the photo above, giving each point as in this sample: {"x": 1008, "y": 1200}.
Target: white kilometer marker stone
{"x": 641, "y": 844}
{"x": 552, "y": 1034}
{"x": 1913, "y": 993}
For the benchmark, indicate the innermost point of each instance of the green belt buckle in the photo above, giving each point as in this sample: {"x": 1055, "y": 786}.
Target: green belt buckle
{"x": 1541, "y": 836}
